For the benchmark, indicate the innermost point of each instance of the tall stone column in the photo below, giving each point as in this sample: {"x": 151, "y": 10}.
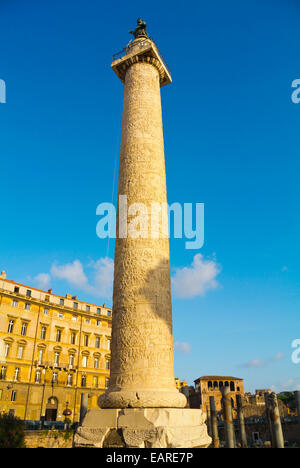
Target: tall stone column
{"x": 228, "y": 419}
{"x": 142, "y": 407}
{"x": 276, "y": 420}
{"x": 240, "y": 411}
{"x": 214, "y": 422}
{"x": 142, "y": 367}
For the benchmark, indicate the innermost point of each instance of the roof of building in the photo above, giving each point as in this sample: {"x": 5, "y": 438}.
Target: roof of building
{"x": 217, "y": 377}
{"x": 53, "y": 294}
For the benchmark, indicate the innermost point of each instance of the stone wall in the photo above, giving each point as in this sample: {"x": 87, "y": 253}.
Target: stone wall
{"x": 49, "y": 439}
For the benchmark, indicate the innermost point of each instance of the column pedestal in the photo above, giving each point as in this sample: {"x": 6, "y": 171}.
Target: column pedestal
{"x": 143, "y": 428}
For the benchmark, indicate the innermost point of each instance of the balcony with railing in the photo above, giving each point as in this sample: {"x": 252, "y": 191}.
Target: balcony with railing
{"x": 126, "y": 50}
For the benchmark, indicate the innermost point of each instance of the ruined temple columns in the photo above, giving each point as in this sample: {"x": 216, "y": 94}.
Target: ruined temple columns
{"x": 243, "y": 434}
{"x": 214, "y": 423}
{"x": 228, "y": 418}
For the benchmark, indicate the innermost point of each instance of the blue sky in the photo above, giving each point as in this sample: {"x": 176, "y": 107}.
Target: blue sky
{"x": 231, "y": 142}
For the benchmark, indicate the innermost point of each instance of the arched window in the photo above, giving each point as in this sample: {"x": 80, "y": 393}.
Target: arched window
{"x": 232, "y": 386}
{"x": 209, "y": 385}
{"x": 221, "y": 384}
{"x": 226, "y": 384}
{"x": 216, "y": 385}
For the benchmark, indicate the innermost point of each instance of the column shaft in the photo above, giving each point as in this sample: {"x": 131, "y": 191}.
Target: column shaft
{"x": 142, "y": 367}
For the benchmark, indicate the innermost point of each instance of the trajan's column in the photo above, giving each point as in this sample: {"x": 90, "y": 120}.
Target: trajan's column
{"x": 142, "y": 407}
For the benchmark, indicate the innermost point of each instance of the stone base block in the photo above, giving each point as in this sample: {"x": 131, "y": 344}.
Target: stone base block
{"x": 143, "y": 428}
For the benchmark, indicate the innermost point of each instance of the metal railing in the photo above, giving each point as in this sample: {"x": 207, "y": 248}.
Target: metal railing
{"x": 124, "y": 52}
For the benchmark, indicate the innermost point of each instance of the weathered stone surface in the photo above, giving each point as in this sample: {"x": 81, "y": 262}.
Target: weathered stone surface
{"x": 90, "y": 436}
{"x": 113, "y": 439}
{"x": 146, "y": 428}
{"x": 105, "y": 418}
{"x": 156, "y": 417}
{"x": 142, "y": 365}
{"x": 142, "y": 388}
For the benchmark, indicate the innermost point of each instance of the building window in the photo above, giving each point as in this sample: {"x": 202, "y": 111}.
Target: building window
{"x": 86, "y": 340}
{"x": 99, "y": 323}
{"x": 87, "y": 321}
{"x": 38, "y": 377}
{"x": 17, "y": 374}
{"x": 28, "y": 293}
{"x": 46, "y": 311}
{"x": 70, "y": 379}
{"x": 88, "y": 308}
{"x": 95, "y": 381}
{"x": 54, "y": 377}
{"x": 3, "y": 373}
{"x": 20, "y": 352}
{"x": 96, "y": 363}
{"x": 10, "y": 326}
{"x": 60, "y": 315}
{"x": 6, "y": 350}
{"x": 97, "y": 342}
{"x": 107, "y": 364}
{"x": 27, "y": 306}
{"x": 56, "y": 359}
{"x": 13, "y": 395}
{"x": 17, "y": 289}
{"x": 58, "y": 335}
{"x": 83, "y": 380}
{"x": 109, "y": 313}
{"x": 71, "y": 360}
{"x": 15, "y": 303}
{"x": 41, "y": 354}
{"x": 24, "y": 328}
{"x": 61, "y": 302}
{"x": 75, "y": 305}
{"x": 106, "y": 382}
{"x": 108, "y": 344}
{"x": 73, "y": 338}
{"x": 84, "y": 361}
{"x": 43, "y": 333}
{"x": 98, "y": 311}
{"x": 74, "y": 318}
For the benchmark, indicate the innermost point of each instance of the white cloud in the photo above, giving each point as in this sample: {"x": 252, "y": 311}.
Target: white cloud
{"x": 261, "y": 363}
{"x": 96, "y": 278}
{"x": 288, "y": 383}
{"x": 104, "y": 275}
{"x": 195, "y": 280}
{"x": 71, "y": 272}
{"x": 42, "y": 280}
{"x": 98, "y": 283}
{"x": 278, "y": 357}
{"x": 182, "y": 347}
{"x": 254, "y": 363}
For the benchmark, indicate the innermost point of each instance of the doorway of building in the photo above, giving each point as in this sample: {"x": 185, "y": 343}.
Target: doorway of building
{"x": 51, "y": 409}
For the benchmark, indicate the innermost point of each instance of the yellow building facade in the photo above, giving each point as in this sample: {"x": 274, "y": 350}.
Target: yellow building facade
{"x": 180, "y": 383}
{"x": 52, "y": 349}
{"x": 211, "y": 385}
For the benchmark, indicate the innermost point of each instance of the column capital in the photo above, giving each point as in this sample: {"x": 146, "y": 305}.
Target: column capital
{"x": 141, "y": 50}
